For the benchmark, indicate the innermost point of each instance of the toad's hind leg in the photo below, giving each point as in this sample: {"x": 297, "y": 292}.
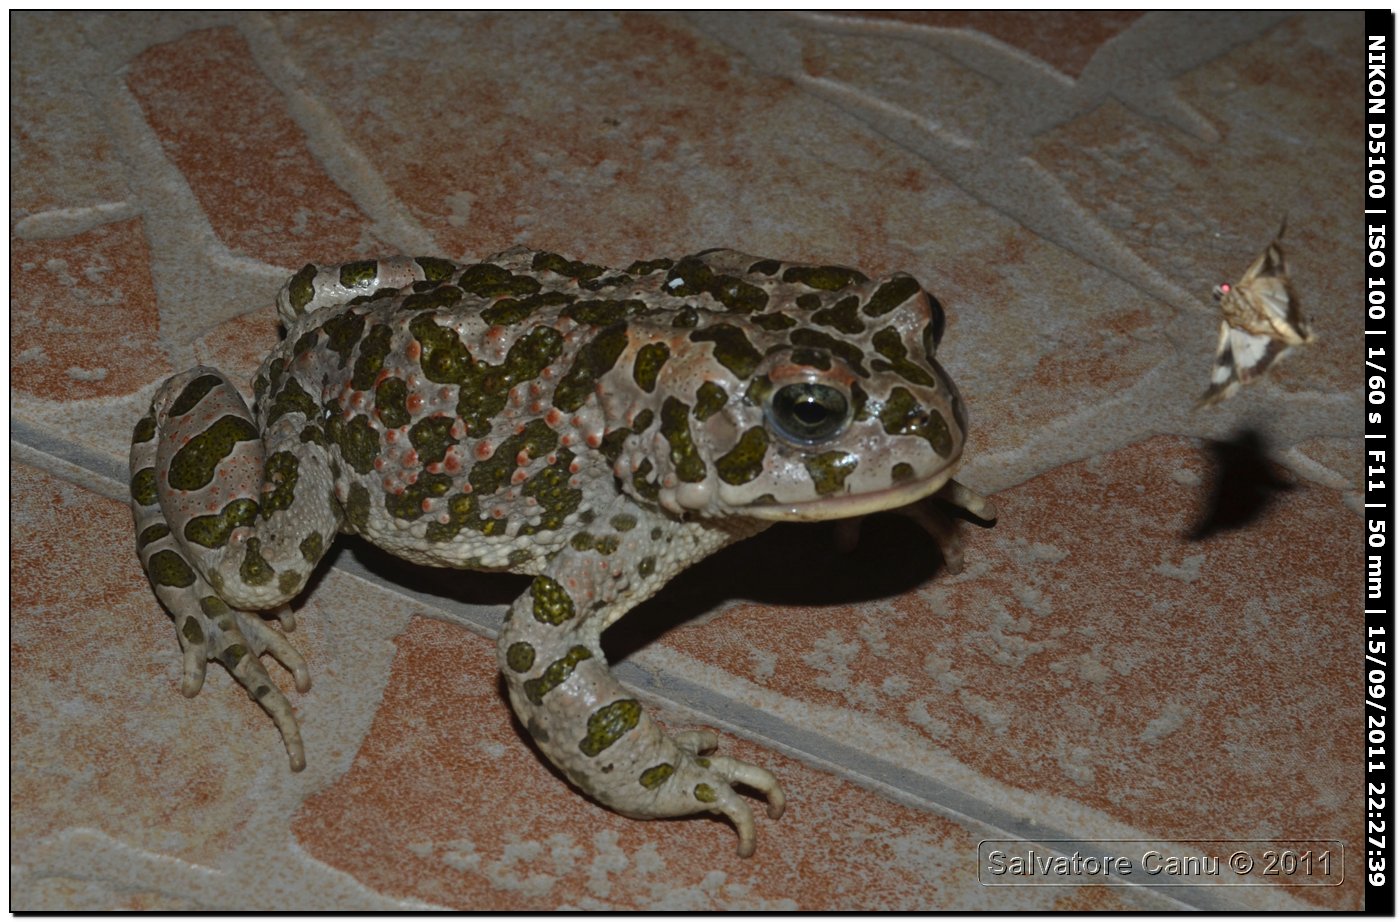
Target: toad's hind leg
{"x": 586, "y": 722}
{"x": 230, "y": 522}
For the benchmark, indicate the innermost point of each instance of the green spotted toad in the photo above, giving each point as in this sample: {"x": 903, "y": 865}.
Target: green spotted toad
{"x": 599, "y": 430}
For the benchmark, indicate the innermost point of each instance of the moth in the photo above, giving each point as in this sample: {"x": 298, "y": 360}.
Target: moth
{"x": 1259, "y": 322}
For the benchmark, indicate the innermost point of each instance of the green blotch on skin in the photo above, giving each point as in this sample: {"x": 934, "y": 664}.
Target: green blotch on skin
{"x": 442, "y": 298}
{"x": 758, "y": 390}
{"x": 356, "y": 507}
{"x": 434, "y": 268}
{"x": 687, "y": 318}
{"x": 145, "y": 430}
{"x": 569, "y": 268}
{"x": 487, "y": 390}
{"x": 508, "y": 311}
{"x": 555, "y": 674}
{"x": 829, "y": 470}
{"x": 654, "y": 777}
{"x": 823, "y": 278}
{"x": 143, "y": 486}
{"x": 520, "y": 657}
{"x": 537, "y": 439}
{"x": 212, "y": 531}
{"x": 613, "y": 443}
{"x": 312, "y": 547}
{"x": 408, "y": 505}
{"x": 744, "y": 461}
{"x": 152, "y": 533}
{"x": 645, "y": 487}
{"x": 604, "y": 312}
{"x": 643, "y": 420}
{"x": 902, "y": 472}
{"x": 846, "y": 351}
{"x": 773, "y": 323}
{"x": 812, "y": 358}
{"x": 647, "y": 267}
{"x": 293, "y": 398}
{"x": 444, "y": 359}
{"x": 374, "y": 348}
{"x": 888, "y": 343}
{"x": 602, "y": 544}
{"x": 194, "y": 465}
{"x": 675, "y": 429}
{"x": 255, "y": 570}
{"x": 765, "y": 267}
{"x": 391, "y": 402}
{"x": 282, "y": 472}
{"x": 732, "y": 348}
{"x": 623, "y": 522}
{"x": 300, "y": 291}
{"x": 193, "y": 393}
{"x": 431, "y": 437}
{"x": 191, "y": 631}
{"x": 594, "y": 360}
{"x": 461, "y": 509}
{"x": 343, "y": 334}
{"x": 232, "y": 655}
{"x": 842, "y": 316}
{"x": 552, "y": 494}
{"x": 289, "y": 582}
{"x": 710, "y": 398}
{"x": 609, "y": 724}
{"x": 902, "y": 415}
{"x": 809, "y": 302}
{"x": 167, "y": 568}
{"x": 891, "y": 295}
{"x": 704, "y": 793}
{"x": 647, "y": 567}
{"x": 694, "y": 277}
{"x": 647, "y": 366}
{"x": 306, "y": 342}
{"x": 357, "y": 440}
{"x": 487, "y": 280}
{"x": 552, "y": 604}
{"x": 353, "y": 275}
{"x": 379, "y": 294}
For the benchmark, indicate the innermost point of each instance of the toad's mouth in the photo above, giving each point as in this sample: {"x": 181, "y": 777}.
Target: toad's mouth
{"x": 854, "y": 504}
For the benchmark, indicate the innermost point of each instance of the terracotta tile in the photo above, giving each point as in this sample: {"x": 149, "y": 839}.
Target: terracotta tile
{"x": 91, "y": 657}
{"x": 84, "y": 322}
{"x": 226, "y": 128}
{"x": 638, "y": 153}
{"x": 56, "y": 125}
{"x": 447, "y": 802}
{"x": 1065, "y": 40}
{"x": 1091, "y": 649}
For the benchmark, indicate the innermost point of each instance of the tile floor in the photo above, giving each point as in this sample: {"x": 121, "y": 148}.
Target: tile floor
{"x": 1123, "y": 658}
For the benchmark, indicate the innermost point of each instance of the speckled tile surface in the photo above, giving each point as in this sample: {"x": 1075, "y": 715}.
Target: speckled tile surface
{"x": 1123, "y": 658}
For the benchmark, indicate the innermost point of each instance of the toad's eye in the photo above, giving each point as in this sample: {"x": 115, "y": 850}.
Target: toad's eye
{"x": 809, "y": 412}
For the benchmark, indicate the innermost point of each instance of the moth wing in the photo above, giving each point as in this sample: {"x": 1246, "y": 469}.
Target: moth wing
{"x": 1224, "y": 377}
{"x": 1265, "y": 297}
{"x": 1253, "y": 353}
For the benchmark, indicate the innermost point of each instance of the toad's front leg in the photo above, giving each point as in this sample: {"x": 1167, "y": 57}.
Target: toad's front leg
{"x": 589, "y": 725}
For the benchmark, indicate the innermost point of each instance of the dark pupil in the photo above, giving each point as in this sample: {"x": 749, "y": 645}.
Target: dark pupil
{"x": 811, "y": 412}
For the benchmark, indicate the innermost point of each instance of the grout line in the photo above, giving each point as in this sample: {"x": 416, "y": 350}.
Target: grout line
{"x": 105, "y": 476}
